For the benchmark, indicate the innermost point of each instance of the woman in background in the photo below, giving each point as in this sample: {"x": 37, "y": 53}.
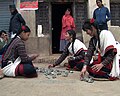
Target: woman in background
{"x": 67, "y": 24}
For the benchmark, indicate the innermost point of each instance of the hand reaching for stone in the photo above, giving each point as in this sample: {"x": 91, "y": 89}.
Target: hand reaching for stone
{"x": 51, "y": 65}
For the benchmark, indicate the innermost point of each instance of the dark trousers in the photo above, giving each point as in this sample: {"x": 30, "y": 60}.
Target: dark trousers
{"x": 26, "y": 70}
{"x": 103, "y": 73}
{"x": 103, "y": 27}
{"x": 76, "y": 65}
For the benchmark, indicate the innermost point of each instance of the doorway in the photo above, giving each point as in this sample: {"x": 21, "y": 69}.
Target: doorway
{"x": 58, "y": 10}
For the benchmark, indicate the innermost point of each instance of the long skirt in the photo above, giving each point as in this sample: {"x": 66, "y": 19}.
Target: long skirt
{"x": 103, "y": 73}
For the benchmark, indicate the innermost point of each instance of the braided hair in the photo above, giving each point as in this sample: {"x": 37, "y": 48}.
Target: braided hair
{"x": 72, "y": 33}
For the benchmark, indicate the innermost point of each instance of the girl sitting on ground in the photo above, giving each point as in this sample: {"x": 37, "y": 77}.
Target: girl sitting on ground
{"x": 76, "y": 49}
{"x": 15, "y": 61}
{"x": 103, "y": 43}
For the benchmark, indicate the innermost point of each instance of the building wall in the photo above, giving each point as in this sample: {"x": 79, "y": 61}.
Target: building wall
{"x": 42, "y": 17}
{"x": 80, "y": 16}
{"x": 5, "y": 14}
{"x": 114, "y": 29}
{"x": 39, "y": 45}
{"x": 36, "y": 45}
{"x": 30, "y": 18}
{"x": 42, "y": 45}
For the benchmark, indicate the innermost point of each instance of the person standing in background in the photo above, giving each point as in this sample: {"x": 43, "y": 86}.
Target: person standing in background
{"x": 16, "y": 21}
{"x": 101, "y": 15}
{"x": 67, "y": 24}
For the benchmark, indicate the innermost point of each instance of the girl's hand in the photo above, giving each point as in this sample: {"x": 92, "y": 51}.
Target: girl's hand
{"x": 51, "y": 65}
{"x": 34, "y": 56}
{"x": 83, "y": 72}
{"x": 97, "y": 67}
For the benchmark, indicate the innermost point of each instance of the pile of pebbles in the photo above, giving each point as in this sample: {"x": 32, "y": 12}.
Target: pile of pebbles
{"x": 51, "y": 73}
{"x": 87, "y": 79}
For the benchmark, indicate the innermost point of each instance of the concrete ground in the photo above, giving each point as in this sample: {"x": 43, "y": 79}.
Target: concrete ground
{"x": 61, "y": 86}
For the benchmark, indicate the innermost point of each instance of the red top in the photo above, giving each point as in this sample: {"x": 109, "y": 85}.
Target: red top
{"x": 67, "y": 24}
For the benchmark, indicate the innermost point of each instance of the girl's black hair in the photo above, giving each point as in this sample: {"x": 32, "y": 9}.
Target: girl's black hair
{"x": 2, "y": 31}
{"x": 99, "y": 0}
{"x": 23, "y": 29}
{"x": 72, "y": 33}
{"x": 68, "y": 9}
{"x": 88, "y": 25}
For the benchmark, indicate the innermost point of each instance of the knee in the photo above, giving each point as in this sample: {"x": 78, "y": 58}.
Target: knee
{"x": 29, "y": 70}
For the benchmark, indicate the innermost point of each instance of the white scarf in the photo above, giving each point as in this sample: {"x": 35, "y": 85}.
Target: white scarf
{"x": 9, "y": 70}
{"x": 106, "y": 40}
{"x": 77, "y": 46}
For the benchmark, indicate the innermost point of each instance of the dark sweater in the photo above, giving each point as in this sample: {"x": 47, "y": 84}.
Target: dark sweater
{"x": 16, "y": 49}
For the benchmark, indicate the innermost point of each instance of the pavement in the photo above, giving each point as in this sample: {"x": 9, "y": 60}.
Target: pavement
{"x": 60, "y": 86}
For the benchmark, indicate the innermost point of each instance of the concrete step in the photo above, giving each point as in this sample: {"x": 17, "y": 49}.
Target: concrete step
{"x": 47, "y": 59}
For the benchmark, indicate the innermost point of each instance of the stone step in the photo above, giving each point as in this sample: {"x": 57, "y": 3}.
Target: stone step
{"x": 47, "y": 59}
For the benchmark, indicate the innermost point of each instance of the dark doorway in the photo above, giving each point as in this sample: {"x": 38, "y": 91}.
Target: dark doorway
{"x": 58, "y": 11}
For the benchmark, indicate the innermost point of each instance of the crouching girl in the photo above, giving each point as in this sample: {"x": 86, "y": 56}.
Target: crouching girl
{"x": 75, "y": 49}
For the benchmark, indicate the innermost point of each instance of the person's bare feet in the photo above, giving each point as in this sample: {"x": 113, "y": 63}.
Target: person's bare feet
{"x": 1, "y": 74}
